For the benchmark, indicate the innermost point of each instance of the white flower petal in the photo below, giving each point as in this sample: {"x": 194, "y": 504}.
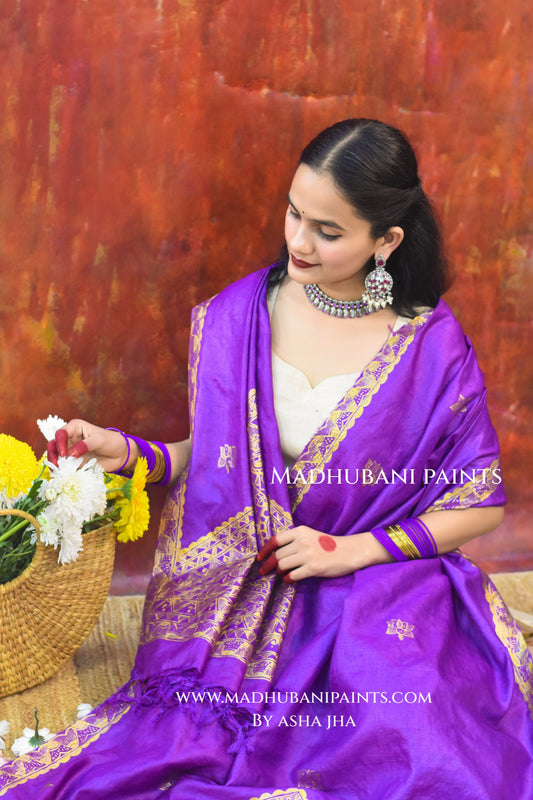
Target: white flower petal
{"x": 49, "y": 528}
{"x": 21, "y": 746}
{"x": 3, "y": 761}
{"x": 4, "y": 727}
{"x": 71, "y": 545}
{"x": 75, "y": 493}
{"x": 83, "y": 709}
{"x": 50, "y": 426}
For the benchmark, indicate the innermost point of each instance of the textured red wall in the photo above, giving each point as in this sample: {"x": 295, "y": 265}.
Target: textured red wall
{"x": 146, "y": 150}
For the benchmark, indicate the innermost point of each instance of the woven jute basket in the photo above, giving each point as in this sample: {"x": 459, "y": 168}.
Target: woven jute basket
{"x": 47, "y": 612}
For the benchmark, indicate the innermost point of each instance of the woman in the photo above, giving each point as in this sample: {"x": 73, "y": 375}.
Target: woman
{"x": 310, "y": 629}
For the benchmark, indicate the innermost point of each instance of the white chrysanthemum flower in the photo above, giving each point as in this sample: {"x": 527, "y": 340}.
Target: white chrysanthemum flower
{"x": 80, "y": 489}
{"x": 49, "y": 528}
{"x": 4, "y": 730}
{"x": 23, "y": 745}
{"x": 79, "y": 494}
{"x": 83, "y": 709}
{"x": 3, "y": 761}
{"x": 50, "y": 426}
{"x": 71, "y": 545}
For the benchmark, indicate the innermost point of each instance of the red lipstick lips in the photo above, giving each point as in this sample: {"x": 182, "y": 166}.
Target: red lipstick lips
{"x": 301, "y": 264}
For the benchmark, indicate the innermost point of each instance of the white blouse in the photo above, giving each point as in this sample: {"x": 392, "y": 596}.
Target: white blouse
{"x": 301, "y": 408}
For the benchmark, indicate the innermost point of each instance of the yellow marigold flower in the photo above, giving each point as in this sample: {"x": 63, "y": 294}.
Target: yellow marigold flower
{"x": 132, "y": 503}
{"x": 18, "y": 466}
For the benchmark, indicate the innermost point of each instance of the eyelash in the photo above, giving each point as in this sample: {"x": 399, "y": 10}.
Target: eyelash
{"x": 329, "y": 237}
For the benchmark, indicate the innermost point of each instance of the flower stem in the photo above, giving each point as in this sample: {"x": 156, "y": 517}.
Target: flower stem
{"x": 21, "y": 523}
{"x": 36, "y": 739}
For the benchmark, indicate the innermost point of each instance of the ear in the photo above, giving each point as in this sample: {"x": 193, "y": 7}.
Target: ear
{"x": 387, "y": 244}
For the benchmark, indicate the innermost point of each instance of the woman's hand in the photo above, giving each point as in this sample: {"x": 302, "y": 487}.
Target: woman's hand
{"x": 83, "y": 440}
{"x": 303, "y": 552}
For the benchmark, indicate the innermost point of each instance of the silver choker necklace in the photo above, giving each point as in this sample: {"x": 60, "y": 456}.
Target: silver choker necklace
{"x": 335, "y": 308}
{"x": 378, "y": 285}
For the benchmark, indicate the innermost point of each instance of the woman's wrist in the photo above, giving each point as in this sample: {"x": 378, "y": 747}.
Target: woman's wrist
{"x": 406, "y": 540}
{"x": 156, "y": 454}
{"x": 366, "y": 551}
{"x": 135, "y": 453}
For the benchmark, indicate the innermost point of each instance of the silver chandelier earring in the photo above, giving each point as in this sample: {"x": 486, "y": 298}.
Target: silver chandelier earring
{"x": 378, "y": 285}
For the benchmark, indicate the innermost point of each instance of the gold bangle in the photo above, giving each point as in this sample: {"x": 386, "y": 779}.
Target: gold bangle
{"x": 402, "y": 540}
{"x": 159, "y": 467}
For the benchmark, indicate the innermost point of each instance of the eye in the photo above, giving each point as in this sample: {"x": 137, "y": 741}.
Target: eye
{"x": 291, "y": 212}
{"x": 330, "y": 237}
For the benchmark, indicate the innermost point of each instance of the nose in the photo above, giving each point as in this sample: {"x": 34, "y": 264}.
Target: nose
{"x": 298, "y": 238}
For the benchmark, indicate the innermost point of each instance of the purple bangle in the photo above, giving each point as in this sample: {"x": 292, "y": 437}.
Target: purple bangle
{"x": 421, "y": 537}
{"x": 119, "y": 470}
{"x": 146, "y": 450}
{"x": 165, "y": 480}
{"x": 434, "y": 550}
{"x": 384, "y": 539}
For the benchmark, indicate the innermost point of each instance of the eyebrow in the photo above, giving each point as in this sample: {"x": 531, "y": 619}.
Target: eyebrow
{"x": 326, "y": 222}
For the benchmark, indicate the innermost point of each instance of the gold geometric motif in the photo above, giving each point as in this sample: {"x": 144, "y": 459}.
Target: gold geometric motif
{"x": 459, "y": 407}
{"x": 396, "y": 627}
{"x": 471, "y": 492}
{"x": 197, "y": 598}
{"x": 283, "y": 794}
{"x": 511, "y": 637}
{"x": 268, "y": 512}
{"x": 64, "y": 746}
{"x": 270, "y": 637}
{"x": 329, "y": 436}
{"x": 215, "y": 593}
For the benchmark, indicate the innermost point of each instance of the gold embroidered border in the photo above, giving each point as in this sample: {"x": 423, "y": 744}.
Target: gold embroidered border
{"x": 171, "y": 525}
{"x": 197, "y": 598}
{"x": 511, "y": 637}
{"x": 64, "y": 746}
{"x": 197, "y": 327}
{"x": 283, "y": 794}
{"x": 214, "y": 595}
{"x": 469, "y": 493}
{"x": 328, "y": 438}
{"x": 256, "y": 468}
{"x": 269, "y": 640}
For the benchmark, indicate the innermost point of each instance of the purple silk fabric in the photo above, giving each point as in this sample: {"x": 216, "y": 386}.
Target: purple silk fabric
{"x": 401, "y": 681}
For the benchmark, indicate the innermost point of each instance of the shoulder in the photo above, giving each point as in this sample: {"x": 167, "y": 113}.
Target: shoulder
{"x": 442, "y": 343}
{"x": 241, "y": 291}
{"x": 442, "y": 329}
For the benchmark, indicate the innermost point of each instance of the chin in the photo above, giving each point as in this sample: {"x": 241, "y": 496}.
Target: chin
{"x": 300, "y": 275}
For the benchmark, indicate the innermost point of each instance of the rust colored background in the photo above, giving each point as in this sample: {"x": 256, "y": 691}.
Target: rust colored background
{"x": 146, "y": 150}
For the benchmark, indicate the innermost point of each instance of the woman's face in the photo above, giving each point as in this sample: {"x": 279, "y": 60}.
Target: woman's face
{"x": 328, "y": 242}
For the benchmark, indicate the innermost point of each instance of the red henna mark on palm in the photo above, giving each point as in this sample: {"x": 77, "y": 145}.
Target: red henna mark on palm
{"x": 327, "y": 543}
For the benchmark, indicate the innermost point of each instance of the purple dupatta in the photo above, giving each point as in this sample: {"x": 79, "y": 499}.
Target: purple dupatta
{"x": 412, "y": 435}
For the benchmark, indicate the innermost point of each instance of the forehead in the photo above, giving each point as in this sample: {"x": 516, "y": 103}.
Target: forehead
{"x": 315, "y": 195}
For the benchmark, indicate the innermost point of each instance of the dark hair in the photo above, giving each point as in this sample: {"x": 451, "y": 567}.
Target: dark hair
{"x": 373, "y": 165}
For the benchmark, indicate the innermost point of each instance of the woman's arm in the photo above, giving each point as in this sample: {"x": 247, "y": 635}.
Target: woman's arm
{"x": 179, "y": 452}
{"x": 83, "y": 440}
{"x": 303, "y": 552}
